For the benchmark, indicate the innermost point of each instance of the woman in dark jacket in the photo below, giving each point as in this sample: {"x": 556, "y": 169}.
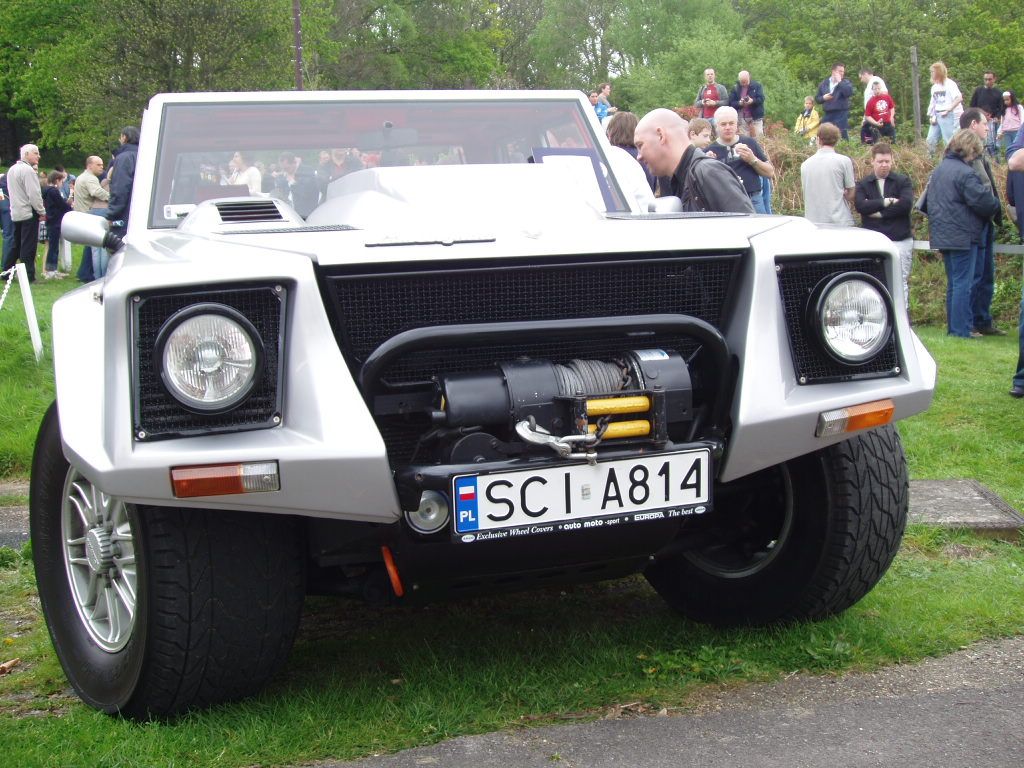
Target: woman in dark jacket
{"x": 56, "y": 207}
{"x": 958, "y": 205}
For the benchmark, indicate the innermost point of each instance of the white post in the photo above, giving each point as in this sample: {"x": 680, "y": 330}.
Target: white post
{"x": 30, "y": 310}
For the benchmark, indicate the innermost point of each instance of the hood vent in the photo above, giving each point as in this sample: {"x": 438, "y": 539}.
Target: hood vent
{"x": 247, "y": 211}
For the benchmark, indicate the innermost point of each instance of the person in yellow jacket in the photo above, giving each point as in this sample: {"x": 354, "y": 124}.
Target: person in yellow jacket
{"x": 807, "y": 122}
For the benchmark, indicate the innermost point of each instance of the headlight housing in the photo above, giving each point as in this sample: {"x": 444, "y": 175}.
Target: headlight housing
{"x": 209, "y": 357}
{"x": 851, "y": 315}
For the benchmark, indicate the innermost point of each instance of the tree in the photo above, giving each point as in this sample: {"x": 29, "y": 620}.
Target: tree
{"x": 673, "y": 77}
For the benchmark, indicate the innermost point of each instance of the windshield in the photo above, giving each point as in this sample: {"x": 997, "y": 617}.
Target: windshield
{"x": 294, "y": 150}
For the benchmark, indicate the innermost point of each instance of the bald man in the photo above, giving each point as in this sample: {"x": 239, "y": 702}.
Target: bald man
{"x": 664, "y": 146}
{"x": 92, "y": 198}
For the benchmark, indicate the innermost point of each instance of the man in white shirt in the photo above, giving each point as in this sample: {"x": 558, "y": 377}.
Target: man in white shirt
{"x": 26, "y": 210}
{"x": 869, "y": 78}
{"x": 827, "y": 181}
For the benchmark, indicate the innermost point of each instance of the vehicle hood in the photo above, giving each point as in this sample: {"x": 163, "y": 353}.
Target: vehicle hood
{"x": 452, "y": 212}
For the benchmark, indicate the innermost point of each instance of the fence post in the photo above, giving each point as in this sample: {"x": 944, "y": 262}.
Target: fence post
{"x": 30, "y": 310}
{"x": 916, "y": 80}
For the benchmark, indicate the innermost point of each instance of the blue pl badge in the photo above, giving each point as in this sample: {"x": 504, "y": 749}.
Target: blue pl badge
{"x": 466, "y": 518}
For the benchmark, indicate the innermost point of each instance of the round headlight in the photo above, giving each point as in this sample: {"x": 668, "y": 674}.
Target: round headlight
{"x": 852, "y": 317}
{"x": 209, "y": 357}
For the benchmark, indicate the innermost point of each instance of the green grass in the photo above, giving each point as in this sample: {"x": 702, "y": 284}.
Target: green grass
{"x": 363, "y": 681}
{"x": 26, "y": 386}
{"x": 973, "y": 428}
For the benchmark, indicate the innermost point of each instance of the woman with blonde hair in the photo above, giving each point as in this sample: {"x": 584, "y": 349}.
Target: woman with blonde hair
{"x": 944, "y": 108}
{"x": 958, "y": 205}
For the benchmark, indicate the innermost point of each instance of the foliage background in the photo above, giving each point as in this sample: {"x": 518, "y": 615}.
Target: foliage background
{"x": 73, "y": 72}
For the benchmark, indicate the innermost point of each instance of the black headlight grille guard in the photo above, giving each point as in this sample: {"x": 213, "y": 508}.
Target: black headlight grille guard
{"x": 370, "y": 304}
{"x": 156, "y": 414}
{"x": 798, "y": 277}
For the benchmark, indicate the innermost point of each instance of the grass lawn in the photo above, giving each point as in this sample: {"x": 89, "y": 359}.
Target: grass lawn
{"x": 974, "y": 428}
{"x": 362, "y": 681}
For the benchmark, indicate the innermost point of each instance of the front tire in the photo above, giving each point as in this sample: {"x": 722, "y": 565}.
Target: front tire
{"x": 153, "y": 611}
{"x": 803, "y": 540}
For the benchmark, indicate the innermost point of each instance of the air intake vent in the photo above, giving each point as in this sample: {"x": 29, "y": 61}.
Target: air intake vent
{"x": 249, "y": 211}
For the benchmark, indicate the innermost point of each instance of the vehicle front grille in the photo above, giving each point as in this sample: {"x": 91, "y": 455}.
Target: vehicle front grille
{"x": 373, "y": 305}
{"x": 158, "y": 415}
{"x": 797, "y": 280}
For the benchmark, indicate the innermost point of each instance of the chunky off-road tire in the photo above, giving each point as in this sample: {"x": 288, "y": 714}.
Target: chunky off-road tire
{"x": 803, "y": 540}
{"x": 153, "y": 611}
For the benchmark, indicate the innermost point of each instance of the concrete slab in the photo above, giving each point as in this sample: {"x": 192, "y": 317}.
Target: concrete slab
{"x": 16, "y": 488}
{"x": 13, "y": 526}
{"x": 964, "y": 504}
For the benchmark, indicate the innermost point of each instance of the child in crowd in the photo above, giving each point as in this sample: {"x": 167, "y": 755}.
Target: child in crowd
{"x": 807, "y": 122}
{"x": 1013, "y": 117}
{"x": 700, "y": 132}
{"x": 56, "y": 206}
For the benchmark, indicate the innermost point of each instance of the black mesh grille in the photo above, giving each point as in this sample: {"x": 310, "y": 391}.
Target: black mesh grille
{"x": 372, "y": 307}
{"x": 255, "y": 210}
{"x": 160, "y": 415}
{"x": 797, "y": 280}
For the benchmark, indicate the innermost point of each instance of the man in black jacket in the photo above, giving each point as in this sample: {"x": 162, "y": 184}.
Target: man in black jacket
{"x": 989, "y": 100}
{"x": 701, "y": 182}
{"x": 122, "y": 178}
{"x": 884, "y": 200}
{"x": 747, "y": 98}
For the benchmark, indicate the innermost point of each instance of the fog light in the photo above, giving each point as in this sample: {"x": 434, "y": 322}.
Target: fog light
{"x": 432, "y": 514}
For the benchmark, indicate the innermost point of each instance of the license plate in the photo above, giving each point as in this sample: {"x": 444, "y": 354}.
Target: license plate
{"x": 577, "y": 496}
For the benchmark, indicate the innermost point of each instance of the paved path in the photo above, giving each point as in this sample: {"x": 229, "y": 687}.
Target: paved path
{"x": 966, "y": 709}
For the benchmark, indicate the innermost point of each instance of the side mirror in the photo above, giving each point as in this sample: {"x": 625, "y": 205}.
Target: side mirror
{"x": 86, "y": 229}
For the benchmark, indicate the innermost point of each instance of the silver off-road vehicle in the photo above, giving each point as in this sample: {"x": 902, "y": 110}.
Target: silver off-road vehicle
{"x": 415, "y": 346}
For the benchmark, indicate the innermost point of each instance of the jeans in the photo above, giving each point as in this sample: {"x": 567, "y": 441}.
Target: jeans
{"x": 53, "y": 247}
{"x": 841, "y": 120}
{"x": 757, "y": 200}
{"x": 959, "y": 277}
{"x": 944, "y": 125}
{"x": 1018, "y": 378}
{"x": 26, "y": 240}
{"x": 100, "y": 256}
{"x": 766, "y": 194}
{"x": 983, "y": 284}
{"x": 1005, "y": 142}
{"x": 990, "y": 141}
{"x": 7, "y": 228}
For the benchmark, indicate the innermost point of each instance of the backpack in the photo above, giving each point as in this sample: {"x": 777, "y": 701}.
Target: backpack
{"x": 694, "y": 198}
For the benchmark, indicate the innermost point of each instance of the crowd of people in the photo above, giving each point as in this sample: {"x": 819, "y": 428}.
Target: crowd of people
{"x": 711, "y": 162}
{"x": 960, "y": 198}
{"x": 33, "y": 203}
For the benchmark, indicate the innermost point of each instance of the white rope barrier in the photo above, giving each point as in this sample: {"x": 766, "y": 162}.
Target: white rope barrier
{"x": 26, "y": 299}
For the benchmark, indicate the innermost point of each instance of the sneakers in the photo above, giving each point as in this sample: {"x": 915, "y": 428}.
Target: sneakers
{"x": 991, "y": 331}
{"x": 976, "y": 334}
{"x": 49, "y": 275}
{"x": 1017, "y": 391}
